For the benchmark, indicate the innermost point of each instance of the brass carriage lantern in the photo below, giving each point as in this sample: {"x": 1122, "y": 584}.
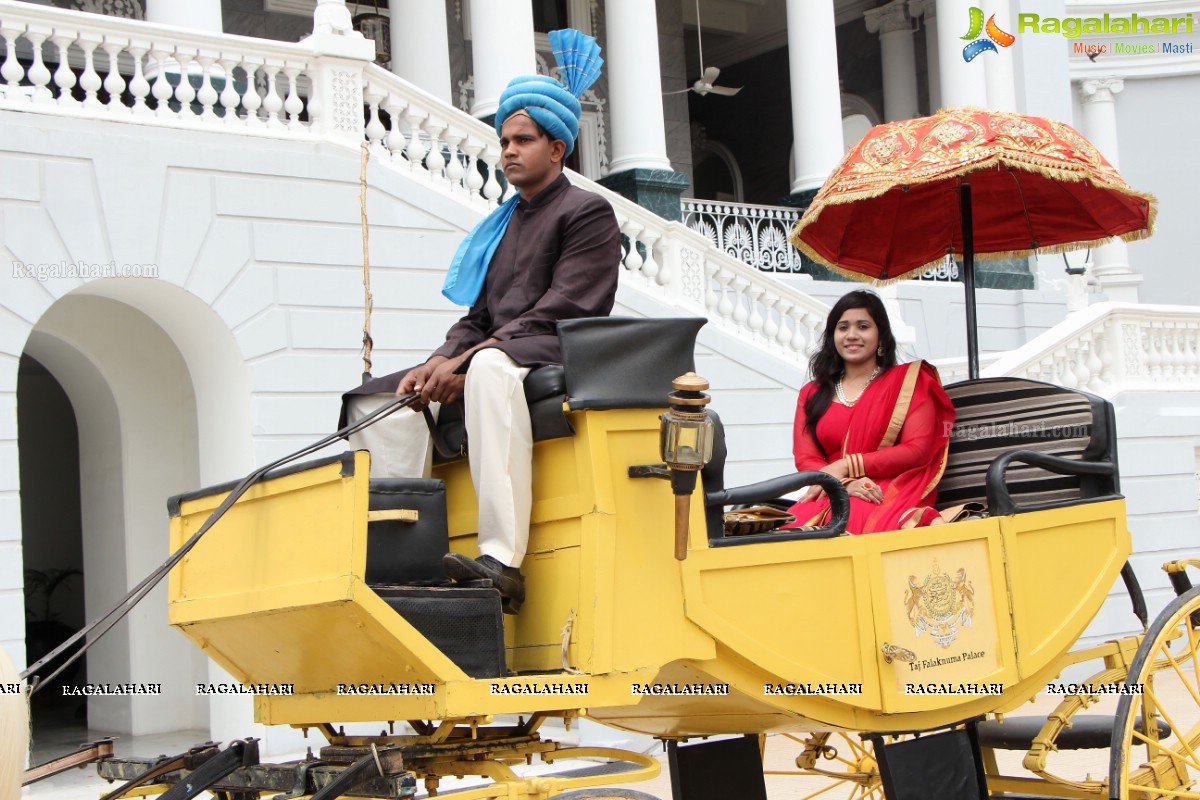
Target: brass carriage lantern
{"x": 686, "y": 441}
{"x": 378, "y": 28}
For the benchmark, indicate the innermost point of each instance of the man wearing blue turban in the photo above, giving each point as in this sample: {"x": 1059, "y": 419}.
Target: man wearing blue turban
{"x": 550, "y": 252}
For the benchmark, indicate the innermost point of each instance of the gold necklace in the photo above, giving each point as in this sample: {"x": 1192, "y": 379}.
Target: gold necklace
{"x": 841, "y": 395}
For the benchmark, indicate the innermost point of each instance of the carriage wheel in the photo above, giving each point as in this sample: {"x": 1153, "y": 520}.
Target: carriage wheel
{"x": 844, "y": 763}
{"x": 1143, "y": 763}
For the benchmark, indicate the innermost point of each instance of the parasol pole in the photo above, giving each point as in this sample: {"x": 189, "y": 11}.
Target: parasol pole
{"x": 968, "y": 237}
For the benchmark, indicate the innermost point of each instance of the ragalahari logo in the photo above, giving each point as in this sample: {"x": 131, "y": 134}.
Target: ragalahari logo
{"x": 995, "y": 36}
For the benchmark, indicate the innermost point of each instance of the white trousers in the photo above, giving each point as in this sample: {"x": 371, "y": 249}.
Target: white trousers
{"x": 499, "y": 447}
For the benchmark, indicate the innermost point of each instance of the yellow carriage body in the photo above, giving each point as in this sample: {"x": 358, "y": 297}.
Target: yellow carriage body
{"x": 753, "y": 637}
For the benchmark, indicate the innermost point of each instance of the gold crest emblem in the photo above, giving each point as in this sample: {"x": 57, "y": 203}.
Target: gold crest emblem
{"x": 940, "y": 605}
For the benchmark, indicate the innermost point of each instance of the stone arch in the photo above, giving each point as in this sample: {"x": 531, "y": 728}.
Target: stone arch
{"x": 160, "y": 394}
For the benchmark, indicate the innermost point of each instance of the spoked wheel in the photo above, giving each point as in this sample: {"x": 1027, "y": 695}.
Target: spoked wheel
{"x": 833, "y": 765}
{"x": 1146, "y": 759}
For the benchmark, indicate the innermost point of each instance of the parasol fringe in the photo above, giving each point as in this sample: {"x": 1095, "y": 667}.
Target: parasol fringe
{"x": 1069, "y": 247}
{"x": 1048, "y": 172}
{"x": 1141, "y": 233}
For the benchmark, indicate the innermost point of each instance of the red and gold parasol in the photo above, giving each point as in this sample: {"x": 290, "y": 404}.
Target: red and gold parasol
{"x": 903, "y": 197}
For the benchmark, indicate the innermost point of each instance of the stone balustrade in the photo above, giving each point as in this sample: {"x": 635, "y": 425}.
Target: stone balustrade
{"x": 90, "y": 65}
{"x": 1114, "y": 347}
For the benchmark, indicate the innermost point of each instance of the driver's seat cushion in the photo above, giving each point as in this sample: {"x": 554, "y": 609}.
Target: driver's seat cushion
{"x": 545, "y": 391}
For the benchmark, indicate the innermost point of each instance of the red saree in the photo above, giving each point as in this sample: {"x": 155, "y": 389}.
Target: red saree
{"x": 896, "y": 434}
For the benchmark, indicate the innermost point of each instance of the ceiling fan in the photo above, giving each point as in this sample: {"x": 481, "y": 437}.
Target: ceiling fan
{"x": 706, "y": 84}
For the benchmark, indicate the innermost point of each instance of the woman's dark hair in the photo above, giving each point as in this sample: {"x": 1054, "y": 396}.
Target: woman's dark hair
{"x": 826, "y": 365}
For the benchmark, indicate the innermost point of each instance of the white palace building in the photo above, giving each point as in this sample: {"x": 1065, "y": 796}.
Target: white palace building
{"x": 181, "y": 260}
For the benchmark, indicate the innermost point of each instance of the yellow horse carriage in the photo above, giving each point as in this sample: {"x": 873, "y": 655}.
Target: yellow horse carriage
{"x": 318, "y": 587}
{"x": 321, "y": 588}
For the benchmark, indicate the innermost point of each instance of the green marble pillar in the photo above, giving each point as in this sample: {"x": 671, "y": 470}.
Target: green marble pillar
{"x": 658, "y": 190}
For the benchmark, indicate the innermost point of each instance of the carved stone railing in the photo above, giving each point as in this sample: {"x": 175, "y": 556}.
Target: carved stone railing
{"x": 128, "y": 71}
{"x": 953, "y": 370}
{"x": 758, "y": 236}
{"x": 1110, "y": 348}
{"x": 755, "y": 235}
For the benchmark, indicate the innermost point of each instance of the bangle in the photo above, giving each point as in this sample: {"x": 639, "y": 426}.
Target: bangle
{"x": 854, "y": 465}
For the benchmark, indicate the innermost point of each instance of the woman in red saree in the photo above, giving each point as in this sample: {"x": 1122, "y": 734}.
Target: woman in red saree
{"x": 881, "y": 428}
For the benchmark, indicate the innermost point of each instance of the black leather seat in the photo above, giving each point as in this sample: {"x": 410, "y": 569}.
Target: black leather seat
{"x": 1022, "y": 445}
{"x": 608, "y": 362}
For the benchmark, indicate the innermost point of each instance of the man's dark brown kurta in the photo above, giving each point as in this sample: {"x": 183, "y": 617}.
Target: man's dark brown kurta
{"x": 559, "y": 259}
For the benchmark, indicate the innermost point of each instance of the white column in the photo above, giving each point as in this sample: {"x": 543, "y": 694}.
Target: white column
{"x": 962, "y": 83}
{"x": 998, "y": 70}
{"x": 894, "y": 27}
{"x": 420, "y": 46}
{"x": 1110, "y": 262}
{"x": 204, "y": 15}
{"x": 501, "y": 48}
{"x": 639, "y": 136}
{"x": 816, "y": 92}
{"x": 927, "y": 11}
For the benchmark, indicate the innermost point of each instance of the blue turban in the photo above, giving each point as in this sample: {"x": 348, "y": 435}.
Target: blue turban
{"x": 554, "y": 106}
{"x": 551, "y": 104}
{"x": 547, "y": 102}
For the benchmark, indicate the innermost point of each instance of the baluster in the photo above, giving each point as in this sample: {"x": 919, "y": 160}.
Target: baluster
{"x": 435, "y": 163}
{"x": 114, "y": 84}
{"x": 800, "y": 337}
{"x": 741, "y": 309}
{"x": 663, "y": 273}
{"x": 814, "y": 325}
{"x": 229, "y": 96}
{"x": 1095, "y": 365}
{"x": 1178, "y": 357}
{"x": 1193, "y": 357}
{"x": 1168, "y": 351}
{"x": 375, "y": 130}
{"x": 769, "y": 326}
{"x": 756, "y": 317}
{"x": 161, "y": 89}
{"x": 415, "y": 152}
{"x": 207, "y": 96}
{"x": 139, "y": 87}
{"x": 11, "y": 71}
{"x": 185, "y": 93}
{"x": 1154, "y": 357}
{"x": 633, "y": 259}
{"x": 782, "y": 336}
{"x": 89, "y": 79}
{"x": 38, "y": 74}
{"x": 272, "y": 101}
{"x": 491, "y": 188}
{"x": 395, "y": 141}
{"x": 293, "y": 105}
{"x": 250, "y": 98}
{"x": 1083, "y": 375}
{"x": 64, "y": 78}
{"x": 474, "y": 179}
{"x": 1109, "y": 352}
{"x": 455, "y": 172}
{"x": 711, "y": 297}
{"x": 725, "y": 307}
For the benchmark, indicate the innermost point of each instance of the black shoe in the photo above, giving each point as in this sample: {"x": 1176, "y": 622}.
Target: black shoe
{"x": 508, "y": 580}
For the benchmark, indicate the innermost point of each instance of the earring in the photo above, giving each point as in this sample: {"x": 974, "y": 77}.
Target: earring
{"x": 879, "y": 351}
